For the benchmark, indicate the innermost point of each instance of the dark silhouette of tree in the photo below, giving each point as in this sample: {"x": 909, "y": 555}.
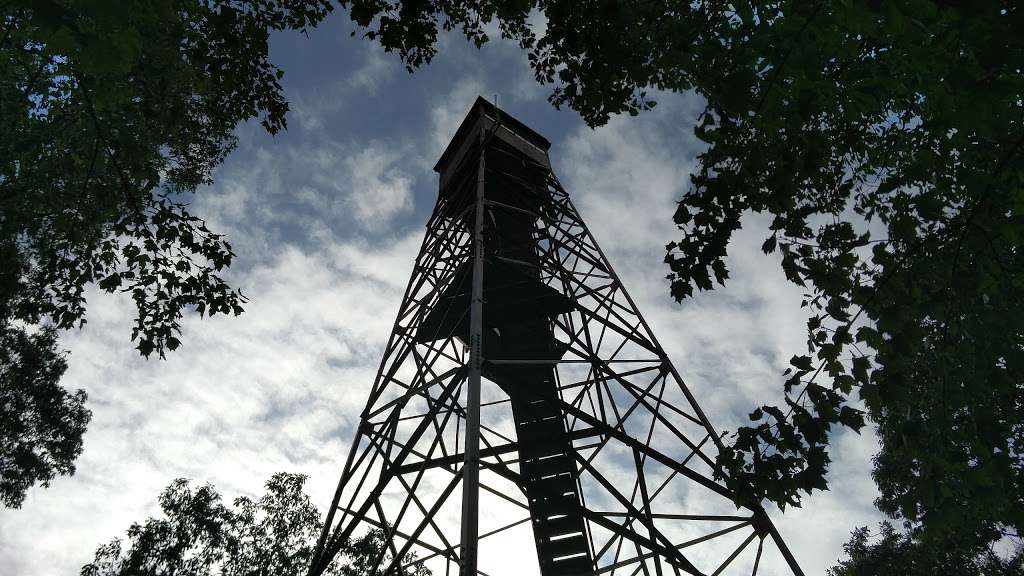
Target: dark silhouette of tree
{"x": 368, "y": 556}
{"x": 271, "y": 536}
{"x": 41, "y": 424}
{"x": 895, "y": 554}
{"x": 111, "y": 114}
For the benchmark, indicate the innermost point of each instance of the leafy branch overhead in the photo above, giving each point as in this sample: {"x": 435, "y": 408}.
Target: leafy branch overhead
{"x": 882, "y": 142}
{"x": 112, "y": 114}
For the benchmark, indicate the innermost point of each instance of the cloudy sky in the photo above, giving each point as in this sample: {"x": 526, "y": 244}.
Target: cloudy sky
{"x": 326, "y": 219}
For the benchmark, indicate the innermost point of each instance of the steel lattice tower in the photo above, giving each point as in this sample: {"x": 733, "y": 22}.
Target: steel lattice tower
{"x": 521, "y": 394}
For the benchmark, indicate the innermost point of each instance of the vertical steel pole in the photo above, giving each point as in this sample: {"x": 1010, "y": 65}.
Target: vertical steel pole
{"x": 471, "y": 463}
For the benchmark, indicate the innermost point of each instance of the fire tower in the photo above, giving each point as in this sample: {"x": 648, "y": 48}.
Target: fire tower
{"x": 523, "y": 398}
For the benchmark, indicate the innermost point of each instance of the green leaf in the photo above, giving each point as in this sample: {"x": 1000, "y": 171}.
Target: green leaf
{"x": 801, "y": 363}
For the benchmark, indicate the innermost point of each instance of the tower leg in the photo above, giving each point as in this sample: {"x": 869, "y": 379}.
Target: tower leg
{"x": 471, "y": 462}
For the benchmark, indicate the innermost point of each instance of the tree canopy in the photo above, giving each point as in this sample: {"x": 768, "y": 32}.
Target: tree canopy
{"x": 41, "y": 424}
{"x": 883, "y": 139}
{"x": 111, "y": 114}
{"x": 890, "y": 553}
{"x": 201, "y": 536}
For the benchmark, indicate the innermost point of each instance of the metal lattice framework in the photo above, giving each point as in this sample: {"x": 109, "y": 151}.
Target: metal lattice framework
{"x": 523, "y": 398}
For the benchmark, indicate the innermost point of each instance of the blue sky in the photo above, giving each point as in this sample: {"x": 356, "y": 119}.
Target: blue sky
{"x": 326, "y": 219}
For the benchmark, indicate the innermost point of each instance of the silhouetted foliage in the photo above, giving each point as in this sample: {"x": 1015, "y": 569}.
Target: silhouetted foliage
{"x": 884, "y": 139}
{"x": 111, "y": 113}
{"x": 369, "y": 555}
{"x": 896, "y": 554}
{"x": 271, "y": 536}
{"x": 41, "y": 424}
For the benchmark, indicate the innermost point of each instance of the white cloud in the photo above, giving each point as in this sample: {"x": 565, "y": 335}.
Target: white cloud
{"x": 514, "y": 81}
{"x": 313, "y": 108}
{"x": 380, "y": 190}
{"x": 449, "y": 109}
{"x": 315, "y": 190}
